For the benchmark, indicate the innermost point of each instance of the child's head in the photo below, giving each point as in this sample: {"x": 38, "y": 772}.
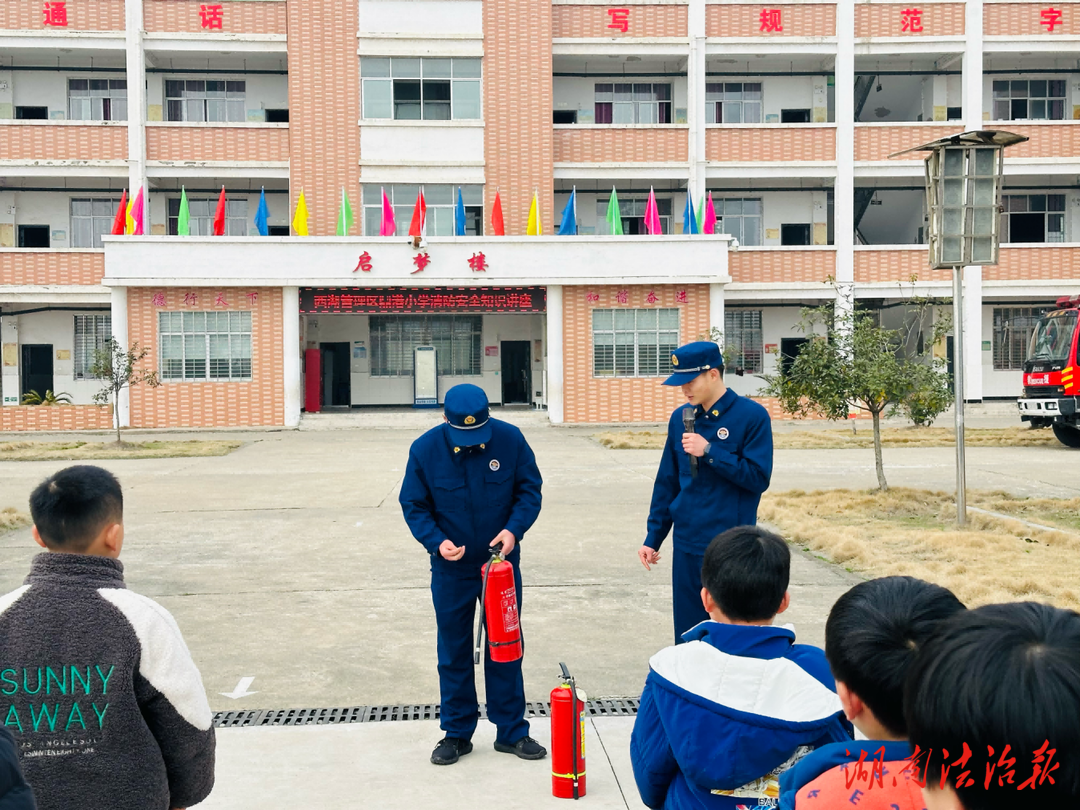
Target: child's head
{"x": 872, "y": 636}
{"x": 997, "y": 676}
{"x": 745, "y": 576}
{"x": 79, "y": 510}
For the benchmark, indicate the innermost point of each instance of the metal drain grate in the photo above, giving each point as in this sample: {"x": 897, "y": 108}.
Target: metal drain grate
{"x": 603, "y": 707}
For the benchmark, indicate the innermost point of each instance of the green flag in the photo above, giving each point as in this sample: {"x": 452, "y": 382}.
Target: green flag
{"x": 614, "y": 218}
{"x": 183, "y": 221}
{"x": 700, "y": 214}
{"x": 345, "y": 216}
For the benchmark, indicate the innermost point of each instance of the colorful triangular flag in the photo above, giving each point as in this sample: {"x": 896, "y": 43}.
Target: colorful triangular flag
{"x": 568, "y": 227}
{"x": 300, "y": 218}
{"x": 534, "y": 227}
{"x": 120, "y": 220}
{"x": 708, "y": 225}
{"x": 183, "y": 218}
{"x": 417, "y": 227}
{"x": 219, "y": 214}
{"x": 137, "y": 214}
{"x": 345, "y": 215}
{"x": 614, "y": 216}
{"x": 387, "y": 226}
{"x": 690, "y": 222}
{"x": 459, "y": 215}
{"x": 652, "y": 215}
{"x": 498, "y": 226}
{"x": 262, "y": 215}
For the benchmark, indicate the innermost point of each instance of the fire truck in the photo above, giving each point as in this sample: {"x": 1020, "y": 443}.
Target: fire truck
{"x": 1052, "y": 373}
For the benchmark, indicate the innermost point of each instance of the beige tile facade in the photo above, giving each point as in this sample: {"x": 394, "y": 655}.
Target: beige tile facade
{"x": 742, "y": 20}
{"x": 52, "y": 267}
{"x": 604, "y": 144}
{"x": 1028, "y": 20}
{"x": 56, "y": 417}
{"x": 770, "y": 143}
{"x": 248, "y": 17}
{"x": 68, "y": 141}
{"x": 208, "y": 142}
{"x": 599, "y": 21}
{"x": 84, "y": 15}
{"x": 897, "y": 20}
{"x": 877, "y": 142}
{"x": 779, "y": 266}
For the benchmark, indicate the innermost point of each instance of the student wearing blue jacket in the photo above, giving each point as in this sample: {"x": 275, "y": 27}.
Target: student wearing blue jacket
{"x": 471, "y": 484}
{"x": 732, "y": 448}
{"x": 725, "y": 713}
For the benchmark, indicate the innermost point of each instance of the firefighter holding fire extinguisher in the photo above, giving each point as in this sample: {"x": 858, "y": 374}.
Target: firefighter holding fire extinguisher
{"x": 472, "y": 487}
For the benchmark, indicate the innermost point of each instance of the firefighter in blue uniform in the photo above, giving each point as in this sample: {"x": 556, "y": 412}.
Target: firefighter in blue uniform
{"x": 732, "y": 442}
{"x": 472, "y": 484}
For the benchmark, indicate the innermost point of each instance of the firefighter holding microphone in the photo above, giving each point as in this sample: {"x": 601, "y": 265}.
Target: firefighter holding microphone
{"x": 471, "y": 488}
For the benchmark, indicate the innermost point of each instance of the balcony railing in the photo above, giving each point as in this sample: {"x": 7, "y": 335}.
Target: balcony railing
{"x": 100, "y": 15}
{"x": 252, "y": 17}
{"x": 892, "y": 263}
{"x": 23, "y": 266}
{"x": 1036, "y": 261}
{"x": 770, "y": 142}
{"x": 63, "y": 140}
{"x": 576, "y": 22}
{"x": 1048, "y": 139}
{"x": 218, "y": 142}
{"x": 878, "y": 141}
{"x": 621, "y": 144}
{"x": 779, "y": 265}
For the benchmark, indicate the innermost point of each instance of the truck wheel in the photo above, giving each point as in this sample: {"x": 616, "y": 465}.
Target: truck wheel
{"x": 1067, "y": 435}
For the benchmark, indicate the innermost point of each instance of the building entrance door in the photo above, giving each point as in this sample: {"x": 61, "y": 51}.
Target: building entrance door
{"x": 37, "y": 368}
{"x": 516, "y": 379}
{"x": 336, "y": 387}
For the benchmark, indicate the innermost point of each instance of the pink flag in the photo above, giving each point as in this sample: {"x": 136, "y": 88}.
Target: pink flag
{"x": 709, "y": 223}
{"x": 652, "y": 215}
{"x": 137, "y": 213}
{"x": 388, "y": 226}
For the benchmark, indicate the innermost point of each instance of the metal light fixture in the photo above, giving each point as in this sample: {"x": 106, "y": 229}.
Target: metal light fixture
{"x": 963, "y": 201}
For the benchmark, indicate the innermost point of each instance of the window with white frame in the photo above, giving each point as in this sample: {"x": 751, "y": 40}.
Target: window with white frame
{"x": 742, "y": 339}
{"x": 91, "y": 217}
{"x": 97, "y": 99}
{"x": 733, "y": 103}
{"x": 740, "y": 217}
{"x": 420, "y": 89}
{"x": 634, "y": 342}
{"x": 457, "y": 340}
{"x": 205, "y": 100}
{"x": 201, "y": 216}
{"x": 1032, "y": 218}
{"x": 632, "y": 214}
{"x": 1023, "y": 99}
{"x": 440, "y": 200}
{"x": 92, "y": 333}
{"x": 637, "y": 103}
{"x": 205, "y": 345}
{"x": 1013, "y": 327}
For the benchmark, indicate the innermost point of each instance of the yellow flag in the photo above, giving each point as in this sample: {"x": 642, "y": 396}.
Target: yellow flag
{"x": 299, "y": 220}
{"x": 535, "y": 227}
{"x": 129, "y": 220}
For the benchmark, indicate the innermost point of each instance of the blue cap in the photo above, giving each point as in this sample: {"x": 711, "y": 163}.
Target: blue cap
{"x": 466, "y": 409}
{"x": 692, "y": 359}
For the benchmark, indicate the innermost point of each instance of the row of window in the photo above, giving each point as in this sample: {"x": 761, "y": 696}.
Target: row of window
{"x": 199, "y": 346}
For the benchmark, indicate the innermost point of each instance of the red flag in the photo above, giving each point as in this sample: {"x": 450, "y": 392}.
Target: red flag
{"x": 419, "y": 215}
{"x": 497, "y": 224}
{"x": 120, "y": 220}
{"x": 219, "y": 215}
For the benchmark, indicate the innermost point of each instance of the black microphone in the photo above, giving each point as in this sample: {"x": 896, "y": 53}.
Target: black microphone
{"x": 688, "y": 427}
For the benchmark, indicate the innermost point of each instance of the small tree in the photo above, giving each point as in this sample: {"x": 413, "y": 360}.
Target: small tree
{"x": 115, "y": 366}
{"x": 857, "y": 363}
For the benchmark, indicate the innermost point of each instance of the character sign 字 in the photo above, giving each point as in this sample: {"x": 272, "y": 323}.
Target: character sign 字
{"x": 212, "y": 16}
{"x": 911, "y": 20}
{"x": 620, "y": 19}
{"x": 771, "y": 20}
{"x": 1050, "y": 18}
{"x": 56, "y": 13}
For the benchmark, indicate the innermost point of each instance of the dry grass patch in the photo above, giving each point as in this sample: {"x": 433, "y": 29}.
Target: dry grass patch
{"x": 838, "y": 439}
{"x": 83, "y": 451}
{"x": 11, "y": 519}
{"x": 913, "y": 532}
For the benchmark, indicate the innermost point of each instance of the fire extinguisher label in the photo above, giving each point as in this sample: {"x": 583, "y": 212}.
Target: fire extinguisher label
{"x": 581, "y": 736}
{"x": 509, "y": 609}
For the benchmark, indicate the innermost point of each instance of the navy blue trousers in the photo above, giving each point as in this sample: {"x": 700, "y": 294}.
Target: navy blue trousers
{"x": 686, "y": 608}
{"x": 455, "y": 600}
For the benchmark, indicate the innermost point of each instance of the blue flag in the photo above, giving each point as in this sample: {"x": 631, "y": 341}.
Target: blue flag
{"x": 689, "y": 220}
{"x": 459, "y": 215}
{"x": 569, "y": 216}
{"x": 262, "y": 215}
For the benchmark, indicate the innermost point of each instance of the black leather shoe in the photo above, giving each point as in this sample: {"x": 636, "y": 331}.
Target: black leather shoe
{"x": 450, "y": 750}
{"x": 525, "y": 748}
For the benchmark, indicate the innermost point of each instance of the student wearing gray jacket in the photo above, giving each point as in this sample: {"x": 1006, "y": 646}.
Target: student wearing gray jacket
{"x": 96, "y": 683}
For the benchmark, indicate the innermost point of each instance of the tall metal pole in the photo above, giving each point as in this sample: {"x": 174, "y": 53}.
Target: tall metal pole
{"x": 958, "y": 393}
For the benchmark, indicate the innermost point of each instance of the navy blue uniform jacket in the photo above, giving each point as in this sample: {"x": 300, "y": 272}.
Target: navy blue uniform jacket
{"x": 470, "y": 496}
{"x": 731, "y": 475}
{"x": 14, "y": 792}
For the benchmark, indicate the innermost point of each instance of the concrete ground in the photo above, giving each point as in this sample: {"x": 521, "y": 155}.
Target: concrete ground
{"x": 288, "y": 562}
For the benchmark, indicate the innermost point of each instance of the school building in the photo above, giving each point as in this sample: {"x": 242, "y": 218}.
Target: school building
{"x": 785, "y": 114}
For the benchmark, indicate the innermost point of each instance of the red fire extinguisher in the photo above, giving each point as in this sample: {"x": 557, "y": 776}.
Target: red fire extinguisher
{"x": 567, "y": 739}
{"x": 500, "y": 614}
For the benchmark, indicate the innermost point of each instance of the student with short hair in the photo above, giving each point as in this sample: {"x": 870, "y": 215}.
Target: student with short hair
{"x": 872, "y": 636}
{"x": 96, "y": 683}
{"x": 739, "y": 702}
{"x": 1003, "y": 682}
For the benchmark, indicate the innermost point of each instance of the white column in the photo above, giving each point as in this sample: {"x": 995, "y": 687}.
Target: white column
{"x": 136, "y": 97}
{"x": 9, "y": 354}
{"x": 290, "y": 306}
{"x": 119, "y": 303}
{"x": 844, "y": 193}
{"x": 973, "y": 119}
{"x": 716, "y": 309}
{"x": 555, "y": 351}
{"x": 695, "y": 98}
